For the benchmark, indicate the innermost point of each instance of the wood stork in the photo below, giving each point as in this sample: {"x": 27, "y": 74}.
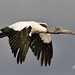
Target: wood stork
{"x": 35, "y": 35}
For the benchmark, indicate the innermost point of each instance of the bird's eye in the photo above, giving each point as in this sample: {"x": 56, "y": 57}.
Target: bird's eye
{"x": 57, "y": 28}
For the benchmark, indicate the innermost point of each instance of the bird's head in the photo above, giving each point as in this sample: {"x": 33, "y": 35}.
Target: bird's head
{"x": 60, "y": 30}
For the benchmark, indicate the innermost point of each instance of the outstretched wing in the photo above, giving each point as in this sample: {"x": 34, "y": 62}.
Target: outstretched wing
{"x": 41, "y": 45}
{"x": 19, "y": 42}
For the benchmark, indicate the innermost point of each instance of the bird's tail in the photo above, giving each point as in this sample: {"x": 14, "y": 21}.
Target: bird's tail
{"x": 2, "y": 34}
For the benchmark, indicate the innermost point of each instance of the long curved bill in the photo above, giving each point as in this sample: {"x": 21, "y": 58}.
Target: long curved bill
{"x": 70, "y": 32}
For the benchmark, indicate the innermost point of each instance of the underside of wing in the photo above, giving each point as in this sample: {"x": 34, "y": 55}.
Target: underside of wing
{"x": 41, "y": 49}
{"x": 19, "y": 42}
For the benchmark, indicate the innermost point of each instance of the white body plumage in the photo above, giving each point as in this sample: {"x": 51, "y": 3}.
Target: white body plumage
{"x": 36, "y": 27}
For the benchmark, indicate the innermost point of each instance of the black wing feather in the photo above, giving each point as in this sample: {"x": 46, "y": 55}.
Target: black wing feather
{"x": 43, "y": 51}
{"x": 19, "y": 41}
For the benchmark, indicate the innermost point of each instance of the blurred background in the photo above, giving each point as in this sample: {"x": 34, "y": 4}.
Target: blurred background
{"x": 55, "y": 13}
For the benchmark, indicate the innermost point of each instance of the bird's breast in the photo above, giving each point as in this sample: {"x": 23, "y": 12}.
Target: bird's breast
{"x": 38, "y": 29}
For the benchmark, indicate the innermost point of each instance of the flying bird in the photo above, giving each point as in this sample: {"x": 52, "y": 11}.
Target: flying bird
{"x": 35, "y": 35}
